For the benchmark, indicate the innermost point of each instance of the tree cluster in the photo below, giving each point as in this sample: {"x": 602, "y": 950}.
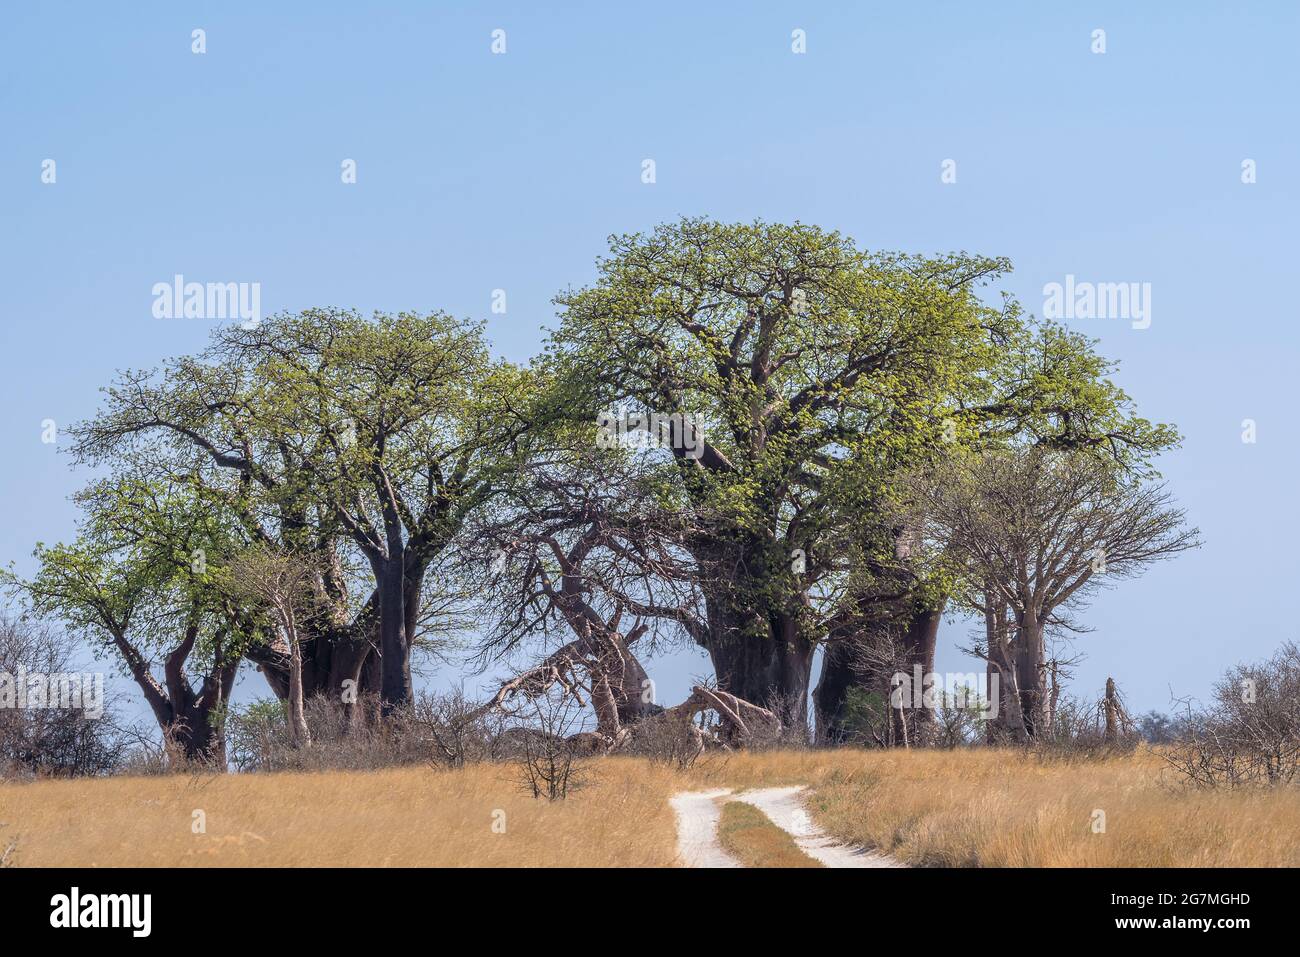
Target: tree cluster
{"x": 827, "y": 448}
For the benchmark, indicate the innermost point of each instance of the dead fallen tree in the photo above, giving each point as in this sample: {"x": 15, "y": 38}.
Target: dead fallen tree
{"x": 586, "y": 543}
{"x": 708, "y": 718}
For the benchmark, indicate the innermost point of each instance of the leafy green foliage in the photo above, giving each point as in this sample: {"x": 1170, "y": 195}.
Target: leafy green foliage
{"x": 823, "y": 373}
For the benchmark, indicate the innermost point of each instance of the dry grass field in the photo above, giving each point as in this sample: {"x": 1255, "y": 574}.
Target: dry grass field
{"x": 962, "y": 808}
{"x": 990, "y": 809}
{"x": 400, "y": 818}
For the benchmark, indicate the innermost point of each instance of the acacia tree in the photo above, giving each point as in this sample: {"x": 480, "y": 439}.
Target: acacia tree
{"x": 340, "y": 439}
{"x": 822, "y": 373}
{"x": 1035, "y": 531}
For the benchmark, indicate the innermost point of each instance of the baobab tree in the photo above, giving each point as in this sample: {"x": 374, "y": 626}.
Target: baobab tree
{"x": 821, "y": 375}
{"x": 1047, "y": 388}
{"x": 1033, "y": 532}
{"x": 358, "y": 443}
{"x": 140, "y": 581}
{"x": 822, "y": 372}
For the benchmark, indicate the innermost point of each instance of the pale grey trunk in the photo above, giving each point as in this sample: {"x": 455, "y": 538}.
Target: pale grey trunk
{"x": 299, "y": 733}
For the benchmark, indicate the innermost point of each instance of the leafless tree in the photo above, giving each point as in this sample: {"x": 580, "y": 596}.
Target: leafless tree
{"x": 586, "y": 542}
{"x": 883, "y": 712}
{"x": 1032, "y": 532}
{"x": 553, "y": 745}
{"x": 461, "y": 731}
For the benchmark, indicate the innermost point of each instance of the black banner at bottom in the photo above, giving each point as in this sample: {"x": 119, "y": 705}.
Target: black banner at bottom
{"x": 928, "y": 906}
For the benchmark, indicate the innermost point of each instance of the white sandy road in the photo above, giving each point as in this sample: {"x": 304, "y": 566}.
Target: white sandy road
{"x": 698, "y": 813}
{"x": 697, "y": 829}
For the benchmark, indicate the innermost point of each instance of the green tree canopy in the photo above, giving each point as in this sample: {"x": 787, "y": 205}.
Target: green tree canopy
{"x": 821, "y": 372}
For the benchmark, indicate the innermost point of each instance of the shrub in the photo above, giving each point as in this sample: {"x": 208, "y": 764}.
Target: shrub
{"x": 553, "y": 745}
{"x": 52, "y": 742}
{"x": 442, "y": 730}
{"x": 1156, "y": 727}
{"x": 1078, "y": 732}
{"x": 1249, "y": 734}
{"x": 955, "y": 720}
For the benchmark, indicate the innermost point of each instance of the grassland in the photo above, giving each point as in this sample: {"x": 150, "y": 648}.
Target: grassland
{"x": 963, "y": 808}
{"x": 748, "y": 835}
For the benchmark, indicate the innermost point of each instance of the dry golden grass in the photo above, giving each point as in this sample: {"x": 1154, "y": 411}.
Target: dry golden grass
{"x": 1003, "y": 809}
{"x": 401, "y": 817}
{"x": 748, "y": 835}
{"x": 982, "y": 807}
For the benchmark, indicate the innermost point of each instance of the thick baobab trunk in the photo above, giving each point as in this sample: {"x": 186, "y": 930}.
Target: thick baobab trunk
{"x": 772, "y": 667}
{"x": 194, "y": 731}
{"x": 844, "y": 666}
{"x": 332, "y": 664}
{"x": 412, "y": 583}
{"x": 831, "y": 694}
{"x": 920, "y": 638}
{"x": 757, "y": 643}
{"x": 395, "y": 691}
{"x": 194, "y": 739}
{"x": 185, "y": 717}
{"x": 334, "y": 648}
{"x": 1031, "y": 677}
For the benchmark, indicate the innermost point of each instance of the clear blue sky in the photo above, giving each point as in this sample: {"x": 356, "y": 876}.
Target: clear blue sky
{"x": 479, "y": 171}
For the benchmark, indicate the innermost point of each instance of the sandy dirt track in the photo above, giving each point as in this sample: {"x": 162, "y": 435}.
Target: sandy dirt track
{"x": 698, "y": 813}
